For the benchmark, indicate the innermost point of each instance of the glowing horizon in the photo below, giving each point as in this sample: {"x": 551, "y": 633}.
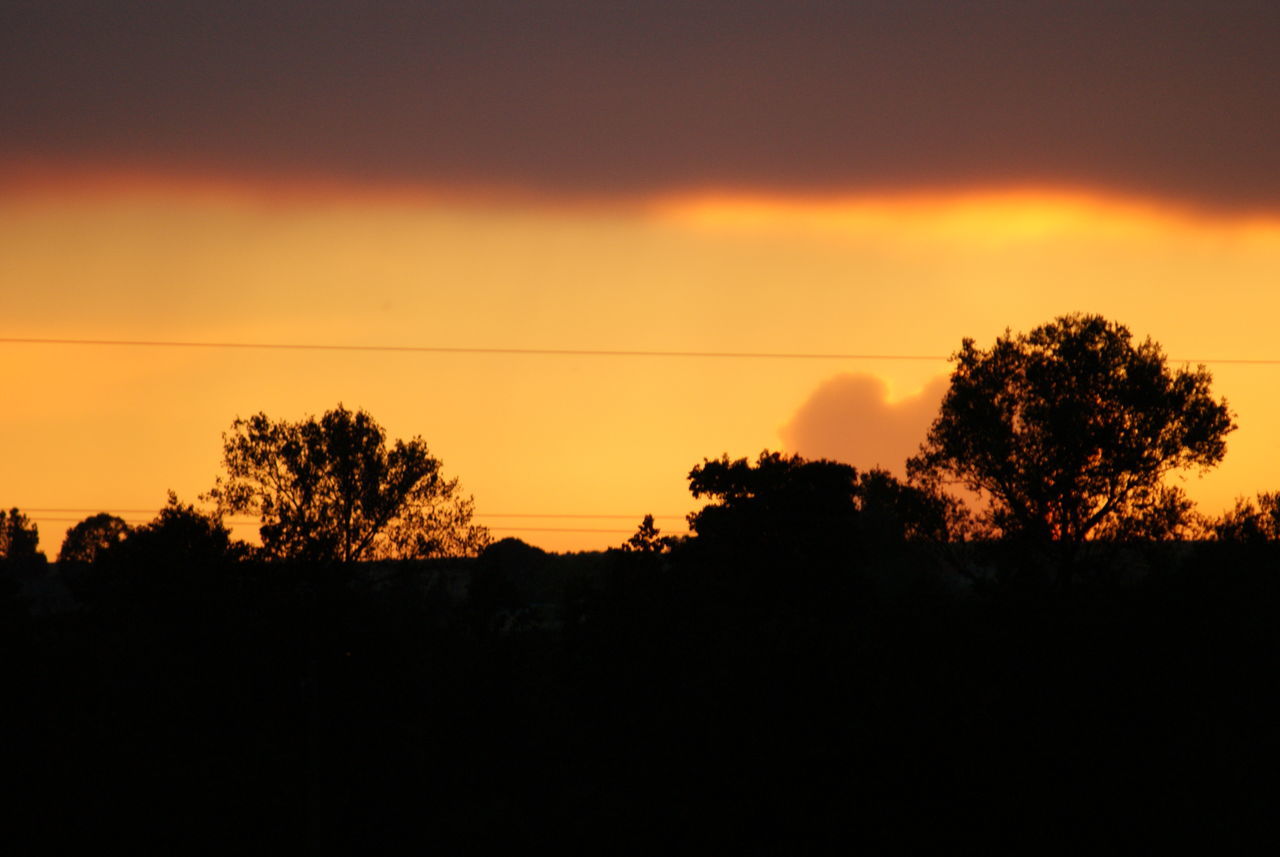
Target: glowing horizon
{"x": 882, "y": 273}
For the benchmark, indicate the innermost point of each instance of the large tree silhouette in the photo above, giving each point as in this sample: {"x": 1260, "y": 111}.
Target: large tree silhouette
{"x": 1068, "y": 432}
{"x": 330, "y": 489}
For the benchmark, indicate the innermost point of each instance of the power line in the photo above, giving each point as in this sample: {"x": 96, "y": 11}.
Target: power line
{"x": 504, "y": 529}
{"x": 141, "y": 516}
{"x": 433, "y": 349}
{"x": 47, "y": 520}
{"x": 544, "y": 352}
{"x": 110, "y": 509}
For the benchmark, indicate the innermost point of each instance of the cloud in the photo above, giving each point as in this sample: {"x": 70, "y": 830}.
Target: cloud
{"x": 576, "y": 96}
{"x": 850, "y": 418}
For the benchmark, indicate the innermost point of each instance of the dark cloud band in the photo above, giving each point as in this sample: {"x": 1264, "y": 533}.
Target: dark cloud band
{"x": 1174, "y": 100}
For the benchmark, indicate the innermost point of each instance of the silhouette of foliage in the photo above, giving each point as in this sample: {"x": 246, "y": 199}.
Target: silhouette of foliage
{"x": 87, "y": 540}
{"x": 330, "y": 489}
{"x": 892, "y": 511}
{"x": 1068, "y": 432}
{"x": 1250, "y": 521}
{"x": 19, "y": 538}
{"x": 505, "y": 576}
{"x": 789, "y": 498}
{"x": 19, "y": 559}
{"x": 181, "y": 550}
{"x": 1165, "y": 512}
{"x": 779, "y": 497}
{"x": 512, "y": 551}
{"x": 649, "y": 539}
{"x": 179, "y": 535}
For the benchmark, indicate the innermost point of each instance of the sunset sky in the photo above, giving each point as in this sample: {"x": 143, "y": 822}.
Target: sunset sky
{"x": 871, "y": 178}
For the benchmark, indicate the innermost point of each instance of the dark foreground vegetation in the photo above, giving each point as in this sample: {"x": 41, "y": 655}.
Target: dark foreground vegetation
{"x": 1069, "y": 657}
{"x": 628, "y": 701}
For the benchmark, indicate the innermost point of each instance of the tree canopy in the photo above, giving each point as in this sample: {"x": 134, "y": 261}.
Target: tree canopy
{"x": 1250, "y": 521}
{"x": 1067, "y": 433}
{"x": 777, "y": 496}
{"x": 19, "y": 538}
{"x": 179, "y": 534}
{"x": 822, "y": 506}
{"x": 90, "y": 538}
{"x": 649, "y": 539}
{"x": 331, "y": 489}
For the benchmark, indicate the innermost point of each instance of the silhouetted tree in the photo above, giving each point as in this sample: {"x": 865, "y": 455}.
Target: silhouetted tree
{"x": 505, "y": 575}
{"x": 648, "y": 539}
{"x": 88, "y": 539}
{"x": 179, "y": 535}
{"x": 779, "y": 498}
{"x": 19, "y": 558}
{"x": 331, "y": 490}
{"x": 1250, "y": 521}
{"x": 1068, "y": 432}
{"x": 791, "y": 499}
{"x": 180, "y": 550}
{"x": 892, "y": 511}
{"x": 19, "y": 538}
{"x": 1165, "y": 512}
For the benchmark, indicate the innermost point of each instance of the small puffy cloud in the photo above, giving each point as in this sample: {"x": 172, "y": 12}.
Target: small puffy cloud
{"x": 850, "y": 418}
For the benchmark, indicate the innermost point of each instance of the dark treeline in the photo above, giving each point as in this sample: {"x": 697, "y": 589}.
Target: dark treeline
{"x": 631, "y": 699}
{"x": 831, "y": 659}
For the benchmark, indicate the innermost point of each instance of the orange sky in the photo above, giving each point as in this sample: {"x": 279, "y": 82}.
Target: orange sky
{"x": 114, "y": 428}
{"x": 730, "y": 175}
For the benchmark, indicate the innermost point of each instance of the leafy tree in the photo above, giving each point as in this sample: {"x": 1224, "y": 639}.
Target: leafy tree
{"x": 892, "y": 511}
{"x": 778, "y": 498}
{"x": 818, "y": 506}
{"x": 87, "y": 540}
{"x": 180, "y": 556}
{"x": 19, "y": 558}
{"x": 19, "y": 538}
{"x": 649, "y": 539}
{"x": 331, "y": 489}
{"x": 180, "y": 534}
{"x": 1250, "y": 521}
{"x": 1068, "y": 432}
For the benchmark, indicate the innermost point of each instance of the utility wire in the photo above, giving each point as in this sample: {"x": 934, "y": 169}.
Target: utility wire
{"x": 432, "y": 349}
{"x": 546, "y": 352}
{"x": 135, "y": 516}
{"x": 44, "y": 520}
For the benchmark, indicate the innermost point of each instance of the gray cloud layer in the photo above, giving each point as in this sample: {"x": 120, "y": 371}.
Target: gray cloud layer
{"x": 1175, "y": 99}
